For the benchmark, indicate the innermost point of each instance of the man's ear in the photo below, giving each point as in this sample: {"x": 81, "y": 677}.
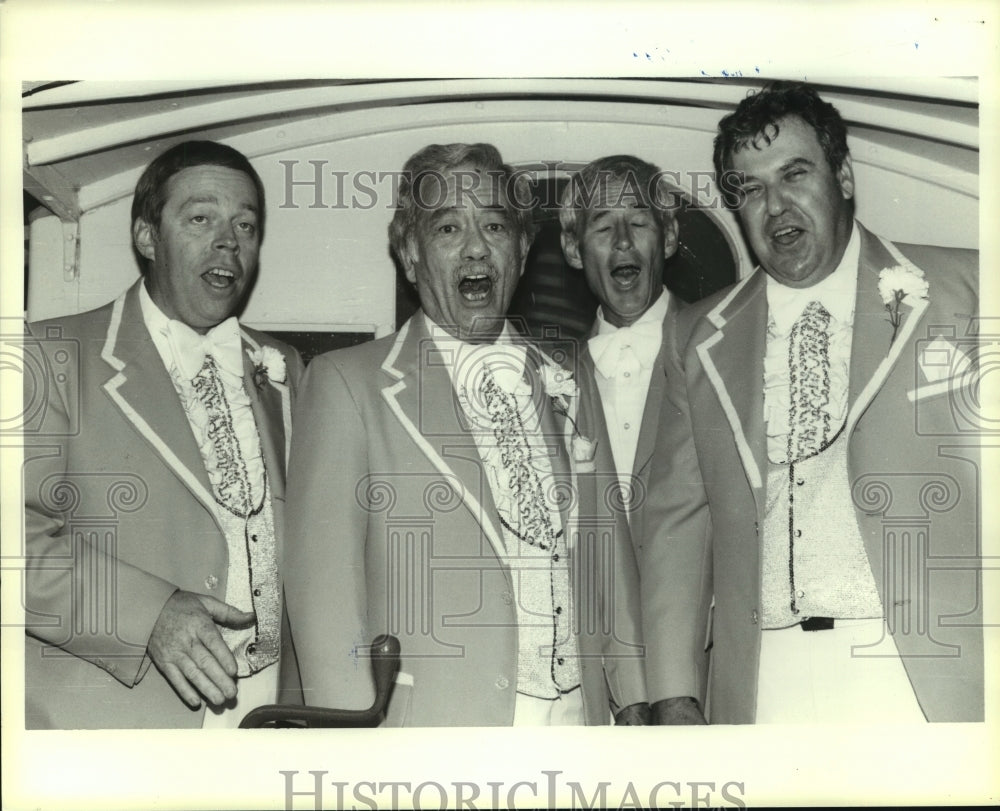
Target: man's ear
{"x": 671, "y": 236}
{"x": 144, "y": 238}
{"x": 571, "y": 249}
{"x": 408, "y": 257}
{"x": 845, "y": 178}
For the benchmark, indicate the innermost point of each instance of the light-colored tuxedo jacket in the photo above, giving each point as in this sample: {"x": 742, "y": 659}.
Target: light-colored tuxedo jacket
{"x": 913, "y": 468}
{"x": 392, "y": 529}
{"x": 119, "y": 513}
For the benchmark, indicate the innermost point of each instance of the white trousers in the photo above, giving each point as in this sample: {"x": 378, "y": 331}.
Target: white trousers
{"x": 826, "y": 677}
{"x": 567, "y": 710}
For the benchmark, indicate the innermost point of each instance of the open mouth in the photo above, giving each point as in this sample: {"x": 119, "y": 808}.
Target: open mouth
{"x": 787, "y": 235}
{"x": 625, "y": 276}
{"x": 475, "y": 287}
{"x": 220, "y": 278}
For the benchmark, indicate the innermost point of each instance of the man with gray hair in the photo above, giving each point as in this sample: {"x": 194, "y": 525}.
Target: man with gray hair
{"x": 448, "y": 484}
{"x": 618, "y": 227}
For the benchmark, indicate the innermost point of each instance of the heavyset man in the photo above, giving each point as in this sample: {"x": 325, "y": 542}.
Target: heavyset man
{"x": 809, "y": 407}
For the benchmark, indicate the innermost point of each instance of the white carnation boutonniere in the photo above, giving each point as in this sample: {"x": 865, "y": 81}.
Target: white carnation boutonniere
{"x": 559, "y": 385}
{"x": 896, "y": 284}
{"x": 584, "y": 451}
{"x": 268, "y": 365}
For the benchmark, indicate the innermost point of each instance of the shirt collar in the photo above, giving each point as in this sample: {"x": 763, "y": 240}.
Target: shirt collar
{"x": 156, "y": 320}
{"x": 837, "y": 292}
{"x": 463, "y": 360}
{"x": 182, "y": 347}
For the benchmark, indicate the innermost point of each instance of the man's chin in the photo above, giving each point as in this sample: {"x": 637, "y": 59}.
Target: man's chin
{"x": 481, "y": 328}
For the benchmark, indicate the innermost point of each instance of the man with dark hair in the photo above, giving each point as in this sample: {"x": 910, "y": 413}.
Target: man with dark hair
{"x": 154, "y": 473}
{"x": 447, "y": 485}
{"x": 801, "y": 403}
{"x": 618, "y": 227}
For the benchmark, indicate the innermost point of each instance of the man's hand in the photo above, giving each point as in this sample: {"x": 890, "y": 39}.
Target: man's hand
{"x": 189, "y": 650}
{"x": 677, "y": 711}
{"x": 633, "y": 715}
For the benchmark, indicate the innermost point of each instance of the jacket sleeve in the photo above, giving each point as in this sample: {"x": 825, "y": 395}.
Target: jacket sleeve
{"x": 326, "y": 532}
{"x": 77, "y": 595}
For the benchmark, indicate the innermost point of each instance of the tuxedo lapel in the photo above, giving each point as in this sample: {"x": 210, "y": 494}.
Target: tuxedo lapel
{"x": 557, "y": 433}
{"x": 424, "y": 402}
{"x": 142, "y": 390}
{"x": 271, "y": 408}
{"x": 733, "y": 359}
{"x": 874, "y": 351}
{"x": 651, "y": 410}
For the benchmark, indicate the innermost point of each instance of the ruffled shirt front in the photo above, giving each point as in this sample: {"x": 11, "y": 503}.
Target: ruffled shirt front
{"x": 537, "y": 549}
{"x": 216, "y": 459}
{"x": 837, "y": 293}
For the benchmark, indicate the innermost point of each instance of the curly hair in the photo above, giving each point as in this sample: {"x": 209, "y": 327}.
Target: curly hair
{"x": 757, "y": 116}
{"x": 436, "y": 159}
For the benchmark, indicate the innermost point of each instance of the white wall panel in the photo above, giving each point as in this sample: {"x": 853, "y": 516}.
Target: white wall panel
{"x": 329, "y": 266}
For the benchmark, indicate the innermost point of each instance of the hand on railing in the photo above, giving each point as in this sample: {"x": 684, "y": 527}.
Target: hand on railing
{"x": 385, "y": 665}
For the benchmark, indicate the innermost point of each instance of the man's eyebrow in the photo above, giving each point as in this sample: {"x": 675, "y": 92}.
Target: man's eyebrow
{"x": 211, "y": 198}
{"x": 201, "y": 198}
{"x": 794, "y": 162}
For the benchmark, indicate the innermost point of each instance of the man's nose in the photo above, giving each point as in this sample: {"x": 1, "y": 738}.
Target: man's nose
{"x": 476, "y": 246}
{"x": 225, "y": 238}
{"x": 623, "y": 237}
{"x": 776, "y": 200}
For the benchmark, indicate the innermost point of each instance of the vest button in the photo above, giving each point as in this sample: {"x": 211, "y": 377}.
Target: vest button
{"x": 753, "y": 616}
{"x": 256, "y": 592}
{"x": 800, "y": 593}
{"x": 798, "y": 533}
{"x": 502, "y": 683}
{"x": 211, "y": 582}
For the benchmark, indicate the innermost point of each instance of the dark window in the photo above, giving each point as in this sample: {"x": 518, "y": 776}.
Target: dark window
{"x": 311, "y": 344}
{"x": 552, "y": 295}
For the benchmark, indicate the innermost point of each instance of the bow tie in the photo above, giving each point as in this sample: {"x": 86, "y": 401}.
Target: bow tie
{"x": 222, "y": 342}
{"x": 642, "y": 339}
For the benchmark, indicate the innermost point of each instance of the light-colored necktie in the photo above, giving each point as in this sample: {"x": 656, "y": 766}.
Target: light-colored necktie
{"x": 222, "y": 342}
{"x": 809, "y": 428}
{"x": 608, "y": 349}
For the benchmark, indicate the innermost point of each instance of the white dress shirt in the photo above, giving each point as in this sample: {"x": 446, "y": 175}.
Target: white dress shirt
{"x": 623, "y": 360}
